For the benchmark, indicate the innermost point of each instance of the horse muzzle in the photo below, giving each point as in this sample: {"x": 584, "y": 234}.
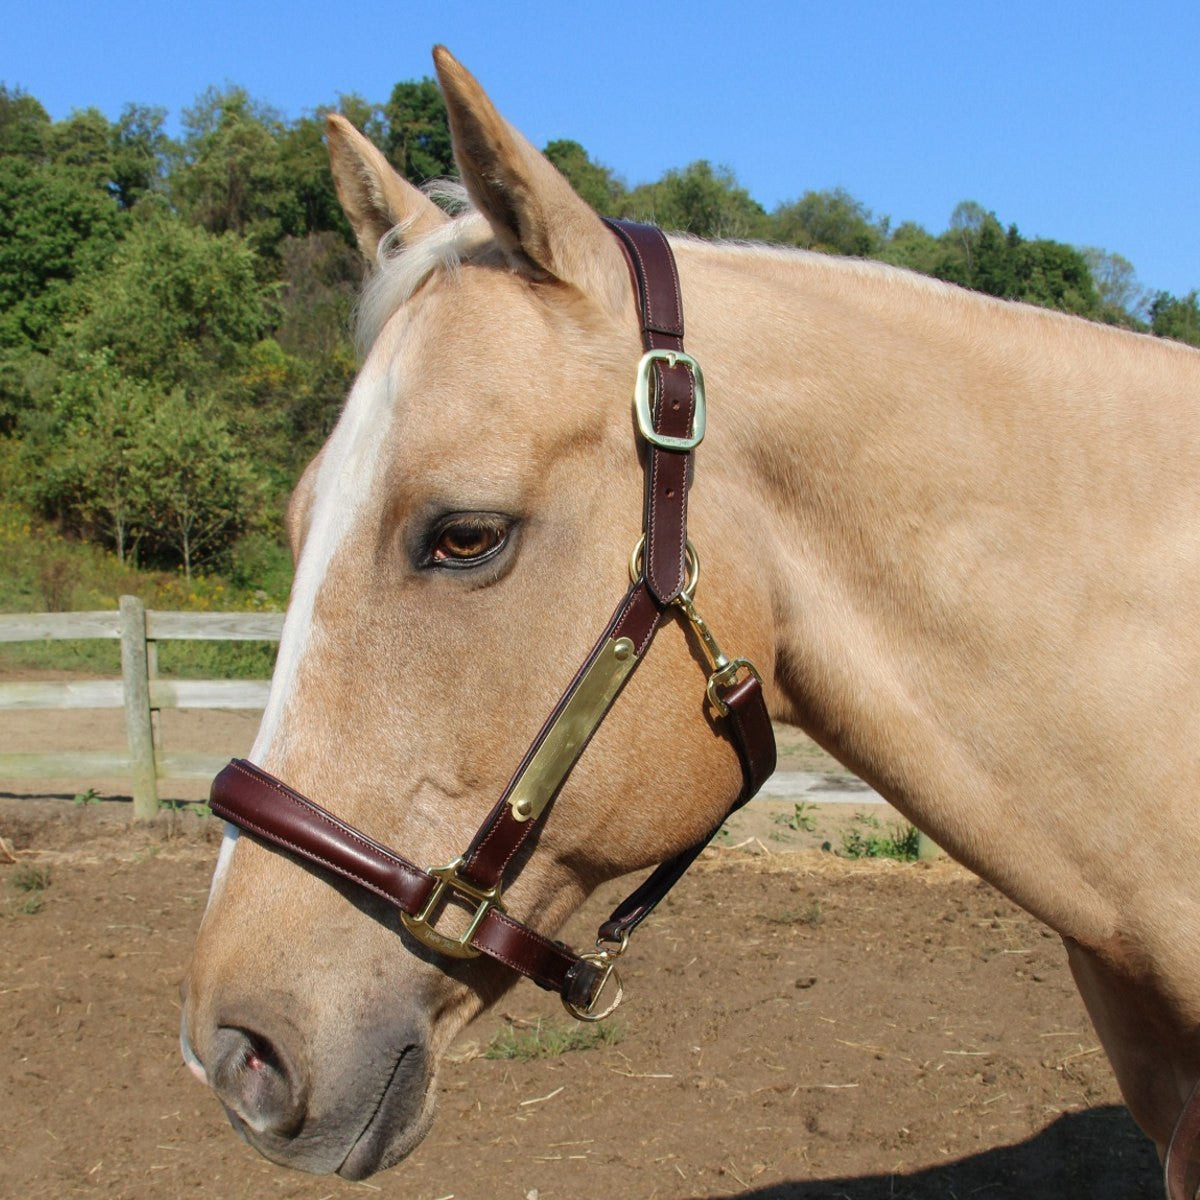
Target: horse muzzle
{"x": 362, "y": 1115}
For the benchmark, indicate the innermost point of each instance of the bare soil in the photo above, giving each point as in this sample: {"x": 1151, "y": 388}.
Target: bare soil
{"x": 796, "y": 1026}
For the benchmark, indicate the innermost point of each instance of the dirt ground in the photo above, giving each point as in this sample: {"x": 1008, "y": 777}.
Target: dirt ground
{"x": 796, "y": 1026}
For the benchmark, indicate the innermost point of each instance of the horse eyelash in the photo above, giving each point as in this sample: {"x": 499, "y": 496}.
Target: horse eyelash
{"x": 504, "y": 524}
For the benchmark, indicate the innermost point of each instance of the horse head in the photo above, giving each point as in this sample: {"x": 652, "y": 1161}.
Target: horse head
{"x": 458, "y": 542}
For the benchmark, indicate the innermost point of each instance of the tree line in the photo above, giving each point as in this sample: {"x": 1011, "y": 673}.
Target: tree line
{"x": 174, "y": 313}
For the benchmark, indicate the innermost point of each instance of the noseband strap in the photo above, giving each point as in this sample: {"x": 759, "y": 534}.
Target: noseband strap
{"x": 670, "y": 404}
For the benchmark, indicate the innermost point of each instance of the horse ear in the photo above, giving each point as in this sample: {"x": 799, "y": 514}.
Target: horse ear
{"x": 534, "y": 212}
{"x": 373, "y": 196}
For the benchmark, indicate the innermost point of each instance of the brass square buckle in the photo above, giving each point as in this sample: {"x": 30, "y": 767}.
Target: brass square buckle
{"x": 449, "y": 881}
{"x": 641, "y": 400}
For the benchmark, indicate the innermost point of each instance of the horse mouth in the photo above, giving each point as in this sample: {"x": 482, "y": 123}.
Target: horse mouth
{"x": 398, "y": 1122}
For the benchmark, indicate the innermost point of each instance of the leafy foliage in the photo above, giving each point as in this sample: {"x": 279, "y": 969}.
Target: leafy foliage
{"x": 177, "y": 304}
{"x": 700, "y": 199}
{"x": 174, "y": 317}
{"x": 1171, "y": 317}
{"x": 56, "y": 228}
{"x": 418, "y": 131}
{"x": 832, "y": 221}
{"x": 592, "y": 180}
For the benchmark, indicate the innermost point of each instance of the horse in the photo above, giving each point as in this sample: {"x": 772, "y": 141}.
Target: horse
{"x": 957, "y": 536}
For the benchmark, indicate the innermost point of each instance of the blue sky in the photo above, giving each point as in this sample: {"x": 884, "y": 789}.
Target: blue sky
{"x": 1077, "y": 121}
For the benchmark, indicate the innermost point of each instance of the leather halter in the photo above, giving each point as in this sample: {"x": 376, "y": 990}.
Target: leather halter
{"x": 669, "y": 399}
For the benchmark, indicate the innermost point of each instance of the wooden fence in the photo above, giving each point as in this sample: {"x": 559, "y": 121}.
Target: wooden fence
{"x": 139, "y": 691}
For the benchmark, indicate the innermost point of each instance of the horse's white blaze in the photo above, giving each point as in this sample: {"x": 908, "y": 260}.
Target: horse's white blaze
{"x": 345, "y": 479}
{"x": 227, "y": 844}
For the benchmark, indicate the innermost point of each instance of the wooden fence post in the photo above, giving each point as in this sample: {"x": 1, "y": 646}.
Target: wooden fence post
{"x": 136, "y": 679}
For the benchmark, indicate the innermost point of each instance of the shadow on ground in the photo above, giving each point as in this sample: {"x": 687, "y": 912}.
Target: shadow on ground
{"x": 1099, "y": 1154}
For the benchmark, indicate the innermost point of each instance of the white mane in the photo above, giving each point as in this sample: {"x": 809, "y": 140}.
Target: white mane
{"x": 402, "y": 268}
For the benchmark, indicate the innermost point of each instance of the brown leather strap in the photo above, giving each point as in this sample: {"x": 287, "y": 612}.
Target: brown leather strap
{"x": 668, "y": 472}
{"x": 1181, "y": 1167}
{"x": 750, "y": 725}
{"x": 262, "y": 805}
{"x": 755, "y": 739}
{"x": 501, "y": 835}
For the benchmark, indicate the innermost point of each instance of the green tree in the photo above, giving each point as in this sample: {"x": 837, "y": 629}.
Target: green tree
{"x": 93, "y": 469}
{"x": 24, "y": 126}
{"x": 84, "y": 141}
{"x": 141, "y": 153}
{"x": 55, "y": 228}
{"x": 230, "y": 179}
{"x": 700, "y": 199}
{"x": 1056, "y": 275}
{"x": 592, "y": 180}
{"x": 418, "y": 132}
{"x": 304, "y": 167}
{"x": 1123, "y": 300}
{"x": 177, "y": 305}
{"x": 832, "y": 221}
{"x": 979, "y": 253}
{"x": 203, "y": 490}
{"x": 1172, "y": 317}
{"x": 911, "y": 245}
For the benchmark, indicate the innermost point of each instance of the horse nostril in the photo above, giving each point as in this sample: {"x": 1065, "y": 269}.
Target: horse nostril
{"x": 252, "y": 1078}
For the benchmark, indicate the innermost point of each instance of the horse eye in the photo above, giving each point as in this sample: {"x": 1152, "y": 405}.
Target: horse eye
{"x": 467, "y": 540}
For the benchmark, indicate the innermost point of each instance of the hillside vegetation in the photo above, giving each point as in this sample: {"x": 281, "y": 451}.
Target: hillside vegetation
{"x": 174, "y": 322}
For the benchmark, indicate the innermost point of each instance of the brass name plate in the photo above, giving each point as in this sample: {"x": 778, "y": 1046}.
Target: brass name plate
{"x": 566, "y": 738}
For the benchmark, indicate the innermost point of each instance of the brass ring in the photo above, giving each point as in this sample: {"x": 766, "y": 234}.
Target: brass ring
{"x": 693, "y": 566}
{"x": 589, "y": 1013}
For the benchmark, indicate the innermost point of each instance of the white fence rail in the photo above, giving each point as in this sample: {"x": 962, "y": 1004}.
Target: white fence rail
{"x": 139, "y": 692}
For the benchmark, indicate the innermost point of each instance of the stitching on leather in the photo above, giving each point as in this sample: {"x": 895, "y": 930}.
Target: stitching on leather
{"x": 342, "y": 830}
{"x": 493, "y": 832}
{"x": 304, "y": 852}
{"x": 561, "y": 961}
{"x": 643, "y": 282}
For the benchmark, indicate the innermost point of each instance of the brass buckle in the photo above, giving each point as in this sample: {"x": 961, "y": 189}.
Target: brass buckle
{"x": 724, "y": 676}
{"x": 641, "y": 400}
{"x": 448, "y": 879}
{"x": 605, "y": 957}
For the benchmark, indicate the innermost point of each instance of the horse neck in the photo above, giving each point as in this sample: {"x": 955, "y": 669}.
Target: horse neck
{"x": 940, "y": 488}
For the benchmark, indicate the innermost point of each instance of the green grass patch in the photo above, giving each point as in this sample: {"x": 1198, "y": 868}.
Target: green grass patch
{"x": 546, "y": 1040}
{"x": 29, "y": 877}
{"x": 867, "y": 838}
{"x": 31, "y": 881}
{"x": 802, "y": 818}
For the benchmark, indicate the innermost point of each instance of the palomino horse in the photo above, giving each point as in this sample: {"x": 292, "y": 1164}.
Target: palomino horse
{"x": 958, "y": 536}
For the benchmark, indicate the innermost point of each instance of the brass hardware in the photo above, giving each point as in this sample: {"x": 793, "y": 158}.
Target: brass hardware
{"x": 448, "y": 879}
{"x": 693, "y": 566}
{"x": 724, "y": 669}
{"x": 642, "y": 406}
{"x": 605, "y": 957}
{"x": 726, "y": 675}
{"x": 574, "y": 725}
